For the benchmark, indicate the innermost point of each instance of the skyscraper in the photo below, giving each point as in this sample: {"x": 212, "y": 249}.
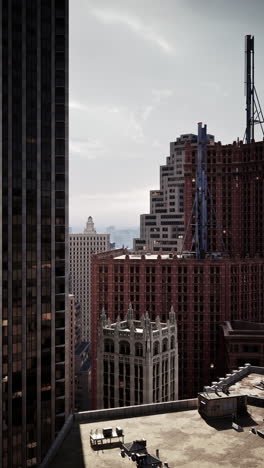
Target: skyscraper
{"x": 162, "y": 229}
{"x": 81, "y": 248}
{"x": 33, "y": 225}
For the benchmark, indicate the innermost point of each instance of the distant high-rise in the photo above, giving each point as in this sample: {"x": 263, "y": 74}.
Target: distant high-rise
{"x": 82, "y": 246}
{"x": 33, "y": 224}
{"x": 163, "y": 228}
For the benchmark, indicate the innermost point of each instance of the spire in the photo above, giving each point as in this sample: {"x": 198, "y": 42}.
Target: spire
{"x": 89, "y": 229}
{"x": 130, "y": 313}
{"x": 157, "y": 322}
{"x": 142, "y": 320}
{"x": 118, "y": 321}
{"x": 103, "y": 318}
{"x": 147, "y": 324}
{"x": 172, "y": 315}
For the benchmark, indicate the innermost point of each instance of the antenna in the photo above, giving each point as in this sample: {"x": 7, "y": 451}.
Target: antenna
{"x": 201, "y": 194}
{"x": 254, "y": 114}
{"x": 202, "y": 219}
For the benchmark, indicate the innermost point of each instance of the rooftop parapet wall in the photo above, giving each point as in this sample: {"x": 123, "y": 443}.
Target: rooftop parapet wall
{"x": 234, "y": 377}
{"x": 136, "y": 411}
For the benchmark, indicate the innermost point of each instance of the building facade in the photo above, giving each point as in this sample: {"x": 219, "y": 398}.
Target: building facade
{"x": 137, "y": 361}
{"x": 82, "y": 246}
{"x": 82, "y": 376}
{"x": 163, "y": 228}
{"x": 235, "y": 177}
{"x": 241, "y": 342}
{"x": 202, "y": 292}
{"x": 34, "y": 392}
{"x": 73, "y": 328}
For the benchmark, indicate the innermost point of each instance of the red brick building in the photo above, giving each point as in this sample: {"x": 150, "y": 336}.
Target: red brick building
{"x": 235, "y": 176}
{"x": 241, "y": 342}
{"x": 206, "y": 292}
{"x": 203, "y": 293}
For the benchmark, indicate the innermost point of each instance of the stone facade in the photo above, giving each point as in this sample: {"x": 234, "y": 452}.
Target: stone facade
{"x": 137, "y": 361}
{"x": 82, "y": 246}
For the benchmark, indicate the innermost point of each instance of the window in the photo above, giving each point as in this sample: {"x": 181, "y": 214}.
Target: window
{"x": 156, "y": 348}
{"x": 109, "y": 346}
{"x": 124, "y": 347}
{"x": 172, "y": 342}
{"x": 139, "y": 349}
{"x": 165, "y": 345}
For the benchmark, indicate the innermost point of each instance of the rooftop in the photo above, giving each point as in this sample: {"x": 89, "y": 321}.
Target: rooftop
{"x": 147, "y": 256}
{"x": 184, "y": 439}
{"x": 246, "y": 380}
{"x": 250, "y": 385}
{"x": 238, "y": 328}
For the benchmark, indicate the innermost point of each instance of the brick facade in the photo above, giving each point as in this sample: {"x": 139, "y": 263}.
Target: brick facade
{"x": 202, "y": 292}
{"x": 235, "y": 175}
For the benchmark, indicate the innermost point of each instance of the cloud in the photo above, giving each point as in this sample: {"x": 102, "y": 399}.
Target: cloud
{"x": 157, "y": 96}
{"x": 135, "y": 25}
{"x": 134, "y": 129}
{"x": 88, "y": 149}
{"x": 121, "y": 204}
{"x": 75, "y": 105}
{"x": 160, "y": 94}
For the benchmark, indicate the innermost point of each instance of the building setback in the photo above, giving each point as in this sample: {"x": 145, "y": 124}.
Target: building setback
{"x": 34, "y": 356}
{"x": 235, "y": 199}
{"x": 202, "y": 292}
{"x": 137, "y": 361}
{"x": 241, "y": 342}
{"x": 82, "y": 246}
{"x": 163, "y": 228}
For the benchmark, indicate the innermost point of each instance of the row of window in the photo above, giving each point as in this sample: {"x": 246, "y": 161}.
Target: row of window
{"x": 124, "y": 347}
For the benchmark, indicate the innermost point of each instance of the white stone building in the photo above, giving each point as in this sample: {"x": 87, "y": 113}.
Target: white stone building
{"x": 81, "y": 248}
{"x": 137, "y": 361}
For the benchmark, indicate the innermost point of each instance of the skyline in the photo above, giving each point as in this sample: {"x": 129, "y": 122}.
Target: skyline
{"x": 122, "y": 118}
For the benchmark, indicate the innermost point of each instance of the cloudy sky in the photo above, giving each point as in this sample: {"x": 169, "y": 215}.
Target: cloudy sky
{"x": 141, "y": 73}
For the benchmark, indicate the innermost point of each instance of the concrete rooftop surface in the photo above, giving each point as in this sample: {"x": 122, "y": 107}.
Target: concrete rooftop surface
{"x": 183, "y": 439}
{"x": 250, "y": 385}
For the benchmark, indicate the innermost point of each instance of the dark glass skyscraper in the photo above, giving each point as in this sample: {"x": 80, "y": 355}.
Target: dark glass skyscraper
{"x": 33, "y": 226}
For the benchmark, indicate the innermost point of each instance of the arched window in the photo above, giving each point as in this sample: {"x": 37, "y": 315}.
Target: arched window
{"x": 109, "y": 346}
{"x": 156, "y": 348}
{"x": 139, "y": 349}
{"x": 124, "y": 347}
{"x": 172, "y": 342}
{"x": 165, "y": 345}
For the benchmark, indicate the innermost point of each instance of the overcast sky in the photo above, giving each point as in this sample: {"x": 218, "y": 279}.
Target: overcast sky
{"x": 141, "y": 73}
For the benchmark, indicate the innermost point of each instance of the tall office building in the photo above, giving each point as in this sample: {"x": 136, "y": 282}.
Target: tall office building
{"x": 33, "y": 224}
{"x": 162, "y": 229}
{"x": 82, "y": 246}
{"x": 235, "y": 178}
{"x": 234, "y": 199}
